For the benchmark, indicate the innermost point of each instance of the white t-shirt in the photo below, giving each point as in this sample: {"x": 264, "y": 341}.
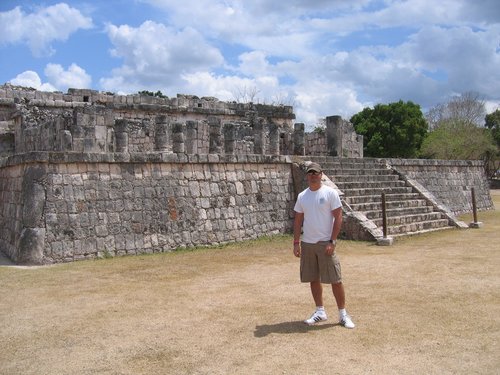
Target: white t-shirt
{"x": 317, "y": 207}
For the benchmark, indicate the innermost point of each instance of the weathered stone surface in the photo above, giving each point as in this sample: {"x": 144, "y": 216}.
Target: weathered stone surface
{"x": 31, "y": 246}
{"x": 91, "y": 174}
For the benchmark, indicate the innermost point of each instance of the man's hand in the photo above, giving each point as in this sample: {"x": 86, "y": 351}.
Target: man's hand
{"x": 330, "y": 248}
{"x": 296, "y": 250}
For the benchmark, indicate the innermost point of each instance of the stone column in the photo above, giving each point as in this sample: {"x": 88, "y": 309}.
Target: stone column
{"x": 162, "y": 141}
{"x": 229, "y": 138}
{"x": 259, "y": 138}
{"x": 191, "y": 137}
{"x": 299, "y": 139}
{"x": 214, "y": 146}
{"x": 334, "y": 135}
{"x": 178, "y": 146}
{"x": 274, "y": 139}
{"x": 121, "y": 135}
{"x": 32, "y": 237}
{"x": 67, "y": 141}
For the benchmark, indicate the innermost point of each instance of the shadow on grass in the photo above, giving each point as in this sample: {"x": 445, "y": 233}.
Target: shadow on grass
{"x": 297, "y": 326}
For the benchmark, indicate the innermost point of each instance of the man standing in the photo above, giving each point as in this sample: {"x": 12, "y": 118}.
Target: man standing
{"x": 318, "y": 211}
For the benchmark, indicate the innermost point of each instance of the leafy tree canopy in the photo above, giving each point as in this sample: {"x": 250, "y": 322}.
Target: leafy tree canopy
{"x": 458, "y": 132}
{"x": 157, "y": 94}
{"x": 492, "y": 121}
{"x": 458, "y": 140}
{"x": 467, "y": 108}
{"x": 391, "y": 130}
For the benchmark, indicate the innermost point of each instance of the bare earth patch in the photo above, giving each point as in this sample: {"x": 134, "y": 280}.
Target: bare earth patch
{"x": 429, "y": 304}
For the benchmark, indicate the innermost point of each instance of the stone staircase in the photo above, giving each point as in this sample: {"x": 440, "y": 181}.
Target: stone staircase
{"x": 362, "y": 182}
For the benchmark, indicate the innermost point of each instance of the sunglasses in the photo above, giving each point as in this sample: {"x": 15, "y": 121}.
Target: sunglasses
{"x": 314, "y": 173}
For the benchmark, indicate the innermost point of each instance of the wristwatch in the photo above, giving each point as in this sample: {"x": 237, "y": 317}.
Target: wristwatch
{"x": 333, "y": 242}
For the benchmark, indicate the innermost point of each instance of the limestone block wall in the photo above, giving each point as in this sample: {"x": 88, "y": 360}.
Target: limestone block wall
{"x": 58, "y": 207}
{"x": 337, "y": 139}
{"x": 138, "y": 107}
{"x": 450, "y": 181}
{"x": 11, "y": 206}
{"x": 91, "y": 121}
{"x": 61, "y": 208}
{"x": 315, "y": 144}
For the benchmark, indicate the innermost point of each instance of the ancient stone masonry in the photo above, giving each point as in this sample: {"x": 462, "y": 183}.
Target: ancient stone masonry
{"x": 90, "y": 121}
{"x": 89, "y": 174}
{"x": 449, "y": 181}
{"x": 57, "y": 210}
{"x": 337, "y": 139}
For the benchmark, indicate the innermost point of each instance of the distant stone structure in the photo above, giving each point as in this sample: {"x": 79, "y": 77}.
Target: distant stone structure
{"x": 88, "y": 174}
{"x": 92, "y": 121}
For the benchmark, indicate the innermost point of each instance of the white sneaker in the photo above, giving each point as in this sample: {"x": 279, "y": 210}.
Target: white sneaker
{"x": 346, "y": 321}
{"x": 318, "y": 316}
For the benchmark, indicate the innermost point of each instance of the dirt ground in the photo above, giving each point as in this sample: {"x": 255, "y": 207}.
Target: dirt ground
{"x": 429, "y": 304}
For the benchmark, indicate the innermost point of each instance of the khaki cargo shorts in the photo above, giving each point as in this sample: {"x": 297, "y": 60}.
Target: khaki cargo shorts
{"x": 316, "y": 265}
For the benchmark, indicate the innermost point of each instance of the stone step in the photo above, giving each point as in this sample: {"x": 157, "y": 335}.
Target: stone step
{"x": 377, "y": 191}
{"x": 377, "y": 198}
{"x": 356, "y": 172}
{"x": 411, "y": 219}
{"x": 346, "y": 162}
{"x": 351, "y": 185}
{"x": 364, "y": 177}
{"x": 405, "y": 234}
{"x": 417, "y": 227}
{"x": 364, "y": 180}
{"x": 395, "y": 212}
{"x": 376, "y": 205}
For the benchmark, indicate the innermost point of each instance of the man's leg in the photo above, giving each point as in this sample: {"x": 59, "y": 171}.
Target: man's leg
{"x": 339, "y": 294}
{"x": 317, "y": 292}
{"x": 320, "y": 314}
{"x": 344, "y": 318}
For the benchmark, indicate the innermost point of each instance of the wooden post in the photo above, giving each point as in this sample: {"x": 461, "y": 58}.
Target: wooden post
{"x": 475, "y": 223}
{"x": 474, "y": 206}
{"x": 384, "y": 216}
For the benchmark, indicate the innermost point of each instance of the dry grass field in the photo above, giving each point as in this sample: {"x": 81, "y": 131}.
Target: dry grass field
{"x": 429, "y": 304}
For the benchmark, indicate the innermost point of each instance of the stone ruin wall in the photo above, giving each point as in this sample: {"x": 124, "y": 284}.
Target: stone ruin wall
{"x": 449, "y": 181}
{"x": 89, "y": 174}
{"x": 85, "y": 174}
{"x": 338, "y": 138}
{"x": 91, "y": 121}
{"x": 65, "y": 210}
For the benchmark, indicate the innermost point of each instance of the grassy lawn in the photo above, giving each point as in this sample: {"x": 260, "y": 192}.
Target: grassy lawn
{"x": 429, "y": 304}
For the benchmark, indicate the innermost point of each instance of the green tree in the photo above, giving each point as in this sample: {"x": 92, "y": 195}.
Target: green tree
{"x": 458, "y": 140}
{"x": 391, "y": 130}
{"x": 466, "y": 108}
{"x": 458, "y": 132}
{"x": 492, "y": 122}
{"x": 157, "y": 94}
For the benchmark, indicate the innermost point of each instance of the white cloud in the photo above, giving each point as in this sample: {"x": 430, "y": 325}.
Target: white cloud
{"x": 416, "y": 50}
{"x": 276, "y": 28}
{"x": 253, "y": 63}
{"x": 30, "y": 78}
{"x": 491, "y": 106}
{"x": 317, "y": 99}
{"x": 467, "y": 59}
{"x": 222, "y": 87}
{"x": 156, "y": 56}
{"x": 73, "y": 77}
{"x": 58, "y": 78}
{"x": 325, "y": 57}
{"x": 39, "y": 29}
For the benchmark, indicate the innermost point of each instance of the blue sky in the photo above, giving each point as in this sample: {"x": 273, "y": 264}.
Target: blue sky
{"x": 324, "y": 57}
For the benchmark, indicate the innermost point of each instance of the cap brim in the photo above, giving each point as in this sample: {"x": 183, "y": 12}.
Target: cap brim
{"x": 313, "y": 170}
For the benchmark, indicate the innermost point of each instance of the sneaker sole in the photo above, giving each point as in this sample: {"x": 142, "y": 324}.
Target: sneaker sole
{"x": 343, "y": 325}
{"x": 317, "y": 320}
